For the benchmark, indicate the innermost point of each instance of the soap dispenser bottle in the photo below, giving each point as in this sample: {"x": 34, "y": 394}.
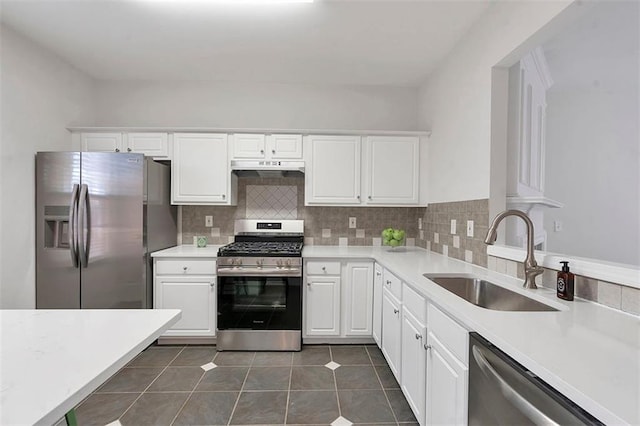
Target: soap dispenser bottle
{"x": 565, "y": 282}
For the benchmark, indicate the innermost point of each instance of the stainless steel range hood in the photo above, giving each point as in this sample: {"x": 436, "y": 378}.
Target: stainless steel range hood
{"x": 267, "y": 168}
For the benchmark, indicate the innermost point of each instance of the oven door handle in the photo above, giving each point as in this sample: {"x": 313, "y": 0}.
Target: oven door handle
{"x": 520, "y": 402}
{"x": 264, "y": 272}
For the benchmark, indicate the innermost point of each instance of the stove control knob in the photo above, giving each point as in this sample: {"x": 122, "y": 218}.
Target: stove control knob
{"x": 239, "y": 262}
{"x": 279, "y": 263}
{"x": 259, "y": 263}
{"x": 288, "y": 263}
{"x": 231, "y": 262}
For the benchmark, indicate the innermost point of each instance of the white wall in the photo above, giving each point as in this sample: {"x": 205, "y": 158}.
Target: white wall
{"x": 225, "y": 104}
{"x": 40, "y": 96}
{"x": 455, "y": 102}
{"x": 593, "y": 136}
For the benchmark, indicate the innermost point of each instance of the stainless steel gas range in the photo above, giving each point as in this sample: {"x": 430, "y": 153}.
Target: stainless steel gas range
{"x": 260, "y": 287}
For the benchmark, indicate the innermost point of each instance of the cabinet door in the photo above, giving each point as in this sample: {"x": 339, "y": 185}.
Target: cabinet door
{"x": 332, "y": 170}
{"x": 248, "y": 145}
{"x": 391, "y": 338}
{"x": 322, "y": 306}
{"x": 284, "y": 147}
{"x": 150, "y": 144}
{"x": 200, "y": 169}
{"x": 195, "y": 296}
{"x": 101, "y": 142}
{"x": 377, "y": 305}
{"x": 414, "y": 359}
{"x": 392, "y": 175}
{"x": 358, "y": 290}
{"x": 447, "y": 383}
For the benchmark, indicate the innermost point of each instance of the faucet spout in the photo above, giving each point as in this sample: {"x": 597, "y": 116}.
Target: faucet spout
{"x": 531, "y": 268}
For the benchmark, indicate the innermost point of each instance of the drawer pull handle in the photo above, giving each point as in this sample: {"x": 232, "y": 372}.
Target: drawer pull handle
{"x": 324, "y": 268}
{"x": 395, "y": 311}
{"x": 212, "y": 284}
{"x": 262, "y": 151}
{"x": 418, "y": 336}
{"x": 388, "y": 282}
{"x": 426, "y": 347}
{"x": 273, "y": 151}
{"x": 184, "y": 268}
{"x": 378, "y": 273}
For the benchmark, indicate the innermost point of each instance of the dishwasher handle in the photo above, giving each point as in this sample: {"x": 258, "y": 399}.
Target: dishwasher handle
{"x": 520, "y": 402}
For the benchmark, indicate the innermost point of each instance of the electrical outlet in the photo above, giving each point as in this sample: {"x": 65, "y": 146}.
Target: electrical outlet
{"x": 453, "y": 226}
{"x": 419, "y": 223}
{"x": 470, "y": 228}
{"x": 557, "y": 226}
{"x": 208, "y": 221}
{"x": 352, "y": 222}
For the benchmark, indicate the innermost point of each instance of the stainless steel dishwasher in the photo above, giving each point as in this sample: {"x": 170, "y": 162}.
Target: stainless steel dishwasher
{"x": 503, "y": 392}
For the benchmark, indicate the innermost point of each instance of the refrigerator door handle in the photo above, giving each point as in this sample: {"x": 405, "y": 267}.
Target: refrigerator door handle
{"x": 83, "y": 222}
{"x": 73, "y": 226}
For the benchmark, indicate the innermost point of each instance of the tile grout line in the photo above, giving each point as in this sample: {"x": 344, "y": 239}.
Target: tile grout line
{"x": 335, "y": 382}
{"x": 152, "y": 382}
{"x": 241, "y": 389}
{"x": 375, "y": 370}
{"x": 190, "y": 393}
{"x": 286, "y": 408}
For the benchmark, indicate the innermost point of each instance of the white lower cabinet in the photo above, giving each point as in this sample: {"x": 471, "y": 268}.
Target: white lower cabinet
{"x": 391, "y": 332}
{"x": 322, "y": 307}
{"x": 413, "y": 352}
{"x": 358, "y": 298}
{"x": 181, "y": 284}
{"x": 338, "y": 299}
{"x": 447, "y": 371}
{"x": 377, "y": 305}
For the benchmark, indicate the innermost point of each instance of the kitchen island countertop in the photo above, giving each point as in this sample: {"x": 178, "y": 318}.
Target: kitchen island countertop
{"x": 50, "y": 360}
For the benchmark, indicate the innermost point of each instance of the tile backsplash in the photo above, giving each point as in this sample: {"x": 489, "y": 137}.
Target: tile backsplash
{"x": 283, "y": 198}
{"x": 622, "y": 298}
{"x": 437, "y": 230}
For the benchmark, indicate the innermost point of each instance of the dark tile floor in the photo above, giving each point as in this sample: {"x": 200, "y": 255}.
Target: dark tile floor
{"x": 336, "y": 384}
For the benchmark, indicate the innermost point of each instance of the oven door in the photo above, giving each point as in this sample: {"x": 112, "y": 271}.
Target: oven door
{"x": 259, "y": 303}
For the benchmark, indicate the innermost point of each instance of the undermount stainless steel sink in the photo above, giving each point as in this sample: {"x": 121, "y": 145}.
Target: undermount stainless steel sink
{"x": 486, "y": 294}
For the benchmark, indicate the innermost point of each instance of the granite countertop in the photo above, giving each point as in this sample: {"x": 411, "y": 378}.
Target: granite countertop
{"x": 588, "y": 352}
{"x": 51, "y": 360}
{"x": 188, "y": 250}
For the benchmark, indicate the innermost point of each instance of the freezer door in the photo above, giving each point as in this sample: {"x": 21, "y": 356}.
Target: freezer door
{"x": 57, "y": 190}
{"x": 110, "y": 231}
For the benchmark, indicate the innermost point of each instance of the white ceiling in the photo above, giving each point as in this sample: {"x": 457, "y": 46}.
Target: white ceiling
{"x": 395, "y": 43}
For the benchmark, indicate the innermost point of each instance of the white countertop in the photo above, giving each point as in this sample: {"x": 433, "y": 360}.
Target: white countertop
{"x": 586, "y": 351}
{"x": 50, "y": 360}
{"x": 188, "y": 250}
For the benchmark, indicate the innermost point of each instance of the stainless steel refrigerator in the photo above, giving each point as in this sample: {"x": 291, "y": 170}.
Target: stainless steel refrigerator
{"x": 98, "y": 216}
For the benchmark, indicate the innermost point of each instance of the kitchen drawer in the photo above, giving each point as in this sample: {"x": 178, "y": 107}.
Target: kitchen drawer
{"x": 452, "y": 335}
{"x": 415, "y": 303}
{"x": 393, "y": 284}
{"x": 322, "y": 268}
{"x": 185, "y": 267}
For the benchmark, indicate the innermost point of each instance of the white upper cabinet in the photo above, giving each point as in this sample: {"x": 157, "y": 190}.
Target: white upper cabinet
{"x": 151, "y": 144}
{"x": 332, "y": 170}
{"x": 391, "y": 171}
{"x": 272, "y": 147}
{"x": 200, "y": 170}
{"x": 248, "y": 145}
{"x": 284, "y": 147}
{"x": 101, "y": 142}
{"x": 154, "y": 145}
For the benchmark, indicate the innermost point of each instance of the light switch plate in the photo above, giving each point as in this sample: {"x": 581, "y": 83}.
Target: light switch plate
{"x": 419, "y": 223}
{"x": 470, "y": 228}
{"x": 208, "y": 221}
{"x": 352, "y": 222}
{"x": 453, "y": 226}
